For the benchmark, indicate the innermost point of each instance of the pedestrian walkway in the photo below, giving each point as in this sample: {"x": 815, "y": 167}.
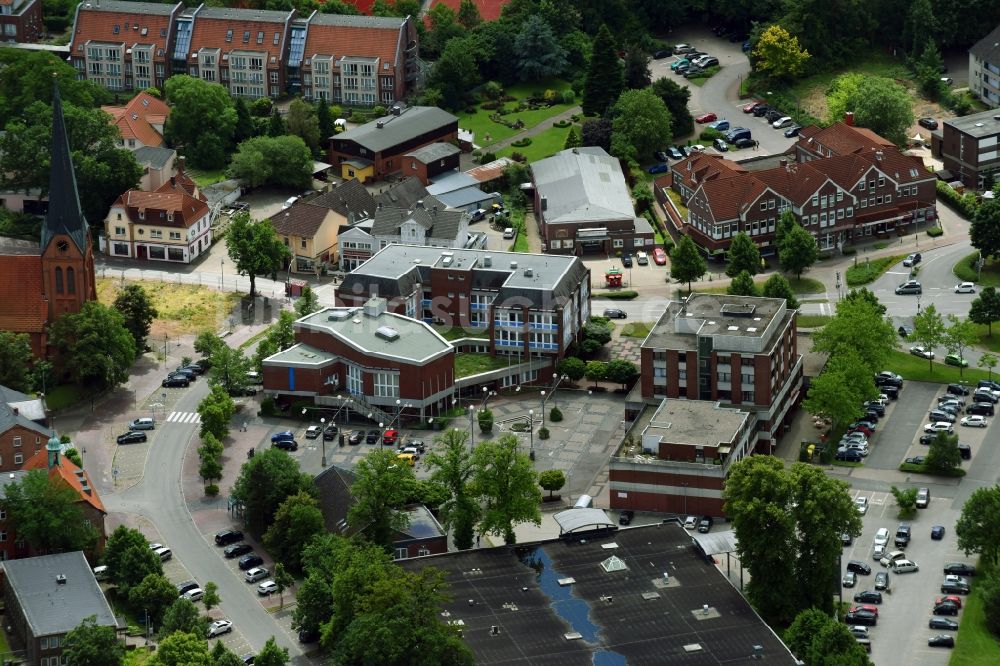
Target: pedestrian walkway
{"x": 184, "y": 417}
{"x": 532, "y": 131}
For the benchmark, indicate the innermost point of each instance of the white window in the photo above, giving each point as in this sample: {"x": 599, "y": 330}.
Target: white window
{"x": 18, "y": 458}
{"x": 17, "y": 441}
{"x": 354, "y": 384}
{"x": 617, "y": 242}
{"x": 386, "y": 384}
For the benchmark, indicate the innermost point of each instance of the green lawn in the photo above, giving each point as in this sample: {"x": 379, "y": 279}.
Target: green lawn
{"x": 700, "y": 80}
{"x": 636, "y": 329}
{"x": 456, "y": 332}
{"x": 965, "y": 270}
{"x": 517, "y": 222}
{"x": 813, "y": 321}
{"x": 480, "y": 123}
{"x": 915, "y": 368}
{"x": 544, "y": 144}
{"x": 676, "y": 199}
{"x": 63, "y": 396}
{"x": 806, "y": 285}
{"x": 975, "y": 645}
{"x": 473, "y": 364}
{"x": 874, "y": 62}
{"x": 870, "y": 270}
{"x": 204, "y": 177}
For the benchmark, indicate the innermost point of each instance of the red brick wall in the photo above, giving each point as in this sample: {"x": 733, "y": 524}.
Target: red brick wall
{"x": 31, "y": 443}
{"x": 671, "y": 481}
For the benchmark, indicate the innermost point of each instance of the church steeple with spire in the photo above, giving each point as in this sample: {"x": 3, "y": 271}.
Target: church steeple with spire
{"x": 67, "y": 251}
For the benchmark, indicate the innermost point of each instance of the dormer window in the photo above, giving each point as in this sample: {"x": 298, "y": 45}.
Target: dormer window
{"x": 142, "y": 214}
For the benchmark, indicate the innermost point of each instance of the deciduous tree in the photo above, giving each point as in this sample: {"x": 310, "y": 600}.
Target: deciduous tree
{"x": 138, "y": 311}
{"x": 47, "y": 515}
{"x": 380, "y": 489}
{"x": 202, "y": 120}
{"x": 26, "y": 77}
{"x": 506, "y": 484}
{"x": 743, "y": 255}
{"x": 988, "y": 361}
{"x": 455, "y": 72}
{"x": 742, "y": 285}
{"x": 306, "y": 303}
{"x": 676, "y": 97}
{"x": 985, "y": 309}
{"x": 255, "y": 248}
{"x": 552, "y": 480}
{"x": 878, "y": 103}
{"x": 596, "y": 371}
{"x": 839, "y": 391}
{"x": 181, "y": 649}
{"x": 94, "y": 346}
{"x": 929, "y": 330}
{"x": 943, "y": 455}
{"x": 89, "y": 644}
{"x": 641, "y": 124}
{"x": 216, "y": 410}
{"x": 797, "y": 250}
{"x": 296, "y": 522}
{"x": 572, "y": 367}
{"x": 858, "y": 326}
{"x": 282, "y": 161}
{"x": 129, "y": 559}
{"x": 778, "y": 53}
{"x": 538, "y": 52}
{"x": 777, "y": 287}
{"x": 605, "y": 75}
{"x": 985, "y": 231}
{"x": 451, "y": 466}
{"x": 182, "y": 615}
{"x": 958, "y": 337}
{"x": 978, "y": 528}
{"x": 284, "y": 580}
{"x": 229, "y": 368}
{"x": 15, "y": 359}
{"x": 263, "y": 484}
{"x": 596, "y": 132}
{"x": 244, "y": 128}
{"x": 303, "y": 123}
{"x": 154, "y": 594}
{"x": 271, "y": 654}
{"x": 637, "y": 74}
{"x": 211, "y": 598}
{"x": 687, "y": 263}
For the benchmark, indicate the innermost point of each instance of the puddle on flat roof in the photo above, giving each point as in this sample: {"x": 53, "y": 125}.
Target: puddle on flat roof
{"x": 573, "y": 610}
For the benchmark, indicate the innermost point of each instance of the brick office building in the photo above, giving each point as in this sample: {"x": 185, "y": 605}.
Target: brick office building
{"x": 739, "y": 351}
{"x": 969, "y": 147}
{"x": 21, "y": 20}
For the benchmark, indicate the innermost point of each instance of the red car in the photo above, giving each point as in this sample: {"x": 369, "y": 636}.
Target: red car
{"x": 659, "y": 256}
{"x": 955, "y": 599}
{"x": 389, "y": 437}
{"x": 868, "y": 607}
{"x": 707, "y": 118}
{"x": 748, "y": 108}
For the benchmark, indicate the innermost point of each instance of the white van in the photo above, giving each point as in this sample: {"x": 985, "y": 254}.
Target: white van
{"x": 905, "y": 566}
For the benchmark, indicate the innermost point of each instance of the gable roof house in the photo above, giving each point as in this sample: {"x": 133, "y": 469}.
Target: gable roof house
{"x": 140, "y": 122}
{"x": 845, "y": 183}
{"x": 46, "y": 597}
{"x": 378, "y": 149}
{"x": 583, "y": 204}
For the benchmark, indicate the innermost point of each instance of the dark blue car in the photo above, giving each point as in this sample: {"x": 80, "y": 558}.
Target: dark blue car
{"x": 657, "y": 168}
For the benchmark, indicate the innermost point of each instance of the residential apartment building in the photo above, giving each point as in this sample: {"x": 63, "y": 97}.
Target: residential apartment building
{"x": 22, "y": 429}
{"x": 841, "y": 183}
{"x": 583, "y": 204}
{"x": 172, "y": 223}
{"x": 530, "y": 306}
{"x": 378, "y": 149}
{"x": 21, "y": 20}
{"x": 739, "y": 351}
{"x": 682, "y": 457}
{"x": 984, "y": 69}
{"x": 252, "y": 52}
{"x": 969, "y": 148}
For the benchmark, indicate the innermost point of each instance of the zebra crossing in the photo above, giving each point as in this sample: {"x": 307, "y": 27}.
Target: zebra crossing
{"x": 184, "y": 417}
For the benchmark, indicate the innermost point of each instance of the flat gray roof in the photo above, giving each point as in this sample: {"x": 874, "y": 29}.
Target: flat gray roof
{"x": 416, "y": 340}
{"x": 582, "y": 185}
{"x": 695, "y": 422}
{"x": 115, "y": 6}
{"x": 713, "y": 315}
{"x": 234, "y": 14}
{"x": 348, "y": 21}
{"x": 979, "y": 125}
{"x": 51, "y": 607}
{"x": 302, "y": 355}
{"x": 411, "y": 123}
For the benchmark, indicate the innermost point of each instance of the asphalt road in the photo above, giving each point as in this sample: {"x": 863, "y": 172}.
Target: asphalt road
{"x": 159, "y": 498}
{"x": 895, "y": 432}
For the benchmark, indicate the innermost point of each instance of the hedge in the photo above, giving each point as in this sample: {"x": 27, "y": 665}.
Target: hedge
{"x": 963, "y": 203}
{"x": 934, "y": 232}
{"x": 626, "y": 295}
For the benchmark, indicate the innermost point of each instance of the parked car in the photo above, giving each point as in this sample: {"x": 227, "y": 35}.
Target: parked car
{"x": 707, "y": 61}
{"x": 226, "y": 537}
{"x": 720, "y": 145}
{"x": 659, "y": 256}
{"x": 956, "y": 360}
{"x": 859, "y": 632}
{"x": 720, "y": 125}
{"x": 286, "y": 445}
{"x": 941, "y": 415}
{"x": 878, "y": 552}
{"x": 674, "y": 153}
{"x": 868, "y": 597}
{"x": 862, "y": 617}
{"x": 219, "y": 627}
{"x": 660, "y": 156}
{"x": 792, "y": 132}
{"x": 891, "y": 557}
{"x": 705, "y": 524}
{"x": 255, "y": 574}
{"x": 774, "y": 114}
{"x": 330, "y": 432}
{"x": 846, "y": 539}
{"x": 946, "y": 608}
{"x": 691, "y": 522}
{"x": 848, "y": 455}
{"x": 905, "y": 566}
{"x": 937, "y": 532}
{"x": 912, "y": 259}
{"x": 656, "y": 168}
{"x": 657, "y": 55}
{"x": 959, "y": 569}
{"x": 706, "y": 118}
{"x": 267, "y": 588}
{"x": 279, "y": 436}
{"x": 683, "y": 48}
{"x": 882, "y": 536}
{"x": 185, "y": 586}
{"x": 163, "y": 553}
{"x": 982, "y": 395}
{"x": 250, "y": 561}
{"x": 964, "y": 451}
{"x": 882, "y": 580}
{"x": 782, "y": 122}
{"x": 922, "y": 352}
{"x": 954, "y": 585}
{"x": 186, "y": 371}
{"x": 625, "y": 517}
{"x": 312, "y": 432}
{"x": 373, "y": 437}
{"x": 861, "y": 503}
{"x": 356, "y": 437}
{"x": 761, "y": 110}
{"x": 905, "y": 330}
{"x": 680, "y": 65}
{"x": 237, "y": 549}
{"x": 957, "y": 389}
{"x": 132, "y": 437}
{"x": 194, "y": 595}
{"x": 859, "y": 567}
{"x": 928, "y": 123}
{"x": 849, "y": 580}
{"x": 144, "y": 423}
{"x": 916, "y": 460}
{"x": 965, "y": 288}
{"x": 923, "y": 497}
{"x": 940, "y": 426}
{"x": 975, "y": 421}
{"x": 750, "y": 106}
{"x": 176, "y": 381}
{"x": 888, "y": 378}
{"x": 988, "y": 384}
{"x": 641, "y": 258}
{"x": 615, "y": 313}
{"x": 942, "y": 623}
{"x": 941, "y": 640}
{"x": 909, "y": 287}
{"x": 627, "y": 260}
{"x": 744, "y": 142}
{"x": 981, "y": 408}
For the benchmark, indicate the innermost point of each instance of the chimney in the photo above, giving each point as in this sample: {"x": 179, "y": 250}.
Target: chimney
{"x": 420, "y": 203}
{"x": 878, "y": 155}
{"x": 783, "y": 162}
{"x": 849, "y": 119}
{"x": 380, "y": 124}
{"x": 17, "y": 410}
{"x": 180, "y": 163}
{"x": 487, "y": 261}
{"x": 61, "y": 579}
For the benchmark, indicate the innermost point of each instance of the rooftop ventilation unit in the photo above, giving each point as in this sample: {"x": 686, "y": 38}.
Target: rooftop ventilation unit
{"x": 446, "y": 261}
{"x": 732, "y": 328}
{"x": 528, "y": 272}
{"x": 339, "y": 315}
{"x": 487, "y": 261}
{"x": 387, "y": 333}
{"x": 61, "y": 579}
{"x": 738, "y": 309}
{"x": 752, "y": 329}
{"x": 513, "y": 265}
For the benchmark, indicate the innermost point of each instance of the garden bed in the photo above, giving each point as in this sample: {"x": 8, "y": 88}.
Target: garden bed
{"x": 870, "y": 270}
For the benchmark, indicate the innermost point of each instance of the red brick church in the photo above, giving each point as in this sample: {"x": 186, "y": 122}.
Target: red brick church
{"x": 41, "y": 281}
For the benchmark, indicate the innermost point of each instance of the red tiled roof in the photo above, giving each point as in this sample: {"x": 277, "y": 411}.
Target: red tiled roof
{"x": 842, "y": 139}
{"x": 134, "y": 120}
{"x": 334, "y": 35}
{"x": 182, "y": 183}
{"x": 99, "y": 23}
{"x": 490, "y": 10}
{"x": 69, "y": 473}
{"x": 703, "y": 167}
{"x": 213, "y": 23}
{"x": 22, "y": 308}
{"x": 185, "y": 209}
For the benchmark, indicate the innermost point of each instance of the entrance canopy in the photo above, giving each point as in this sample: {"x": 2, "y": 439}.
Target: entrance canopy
{"x": 572, "y": 520}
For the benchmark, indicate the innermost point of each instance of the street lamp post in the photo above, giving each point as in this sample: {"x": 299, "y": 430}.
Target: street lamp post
{"x": 344, "y": 402}
{"x": 472, "y": 433}
{"x": 531, "y": 434}
{"x": 222, "y": 273}
{"x": 542, "y": 392}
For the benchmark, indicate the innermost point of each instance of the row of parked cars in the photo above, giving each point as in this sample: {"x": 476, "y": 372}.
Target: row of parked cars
{"x": 950, "y": 405}
{"x": 183, "y": 376}
{"x": 775, "y": 116}
{"x": 691, "y": 62}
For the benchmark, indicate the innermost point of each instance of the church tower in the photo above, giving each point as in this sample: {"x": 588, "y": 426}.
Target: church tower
{"x": 66, "y": 249}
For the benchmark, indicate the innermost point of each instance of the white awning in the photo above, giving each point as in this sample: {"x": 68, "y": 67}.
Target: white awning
{"x": 574, "y": 519}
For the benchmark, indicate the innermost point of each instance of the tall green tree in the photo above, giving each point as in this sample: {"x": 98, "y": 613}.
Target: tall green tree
{"x": 284, "y": 580}
{"x": 207, "y": 343}
{"x": 943, "y": 455}
{"x": 988, "y": 361}
{"x": 89, "y": 644}
{"x": 878, "y": 103}
{"x": 263, "y": 484}
{"x": 573, "y": 367}
{"x": 455, "y": 72}
{"x": 244, "y": 128}
{"x": 138, "y": 311}
{"x": 182, "y": 615}
{"x": 797, "y": 250}
{"x": 742, "y": 285}
{"x": 743, "y": 255}
{"x": 641, "y": 124}
{"x": 15, "y": 360}
{"x": 621, "y": 372}
{"x": 303, "y": 123}
{"x": 687, "y": 263}
{"x": 255, "y": 248}
{"x": 93, "y": 345}
{"x": 380, "y": 490}
{"x": 271, "y": 654}
{"x": 468, "y": 14}
{"x": 452, "y": 467}
{"x": 324, "y": 120}
{"x": 216, "y": 410}
{"x": 276, "y": 124}
{"x": 129, "y": 559}
{"x": 154, "y": 594}
{"x": 636, "y": 70}
{"x": 282, "y": 161}
{"x": 605, "y": 75}
{"x": 676, "y": 97}
{"x": 778, "y": 55}
{"x": 918, "y": 25}
{"x": 211, "y": 598}
{"x": 26, "y": 77}
{"x": 47, "y": 515}
{"x": 505, "y": 481}
{"x": 306, "y": 303}
{"x": 929, "y": 330}
{"x": 777, "y": 287}
{"x": 859, "y": 326}
{"x": 538, "y": 52}
{"x": 985, "y": 309}
{"x": 229, "y": 368}
{"x": 181, "y": 649}
{"x": 978, "y": 527}
{"x": 985, "y": 231}
{"x": 958, "y": 337}
{"x": 572, "y": 138}
{"x": 296, "y": 522}
{"x": 839, "y": 391}
{"x": 202, "y": 120}
{"x": 210, "y": 454}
